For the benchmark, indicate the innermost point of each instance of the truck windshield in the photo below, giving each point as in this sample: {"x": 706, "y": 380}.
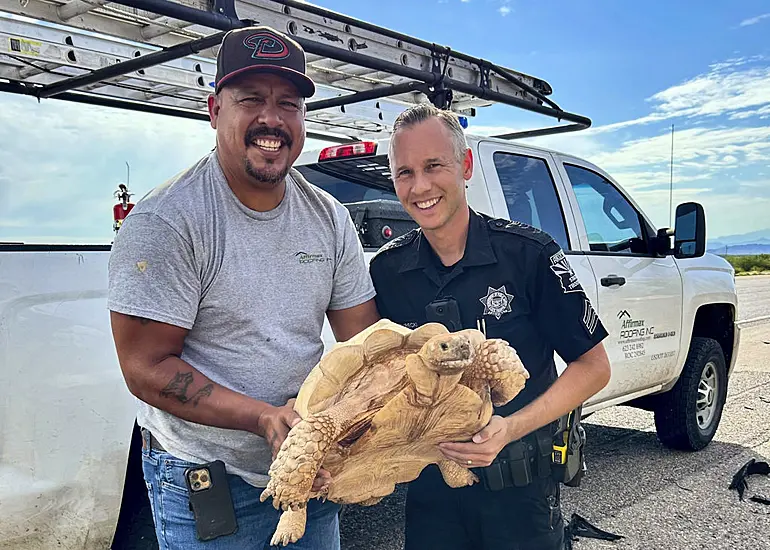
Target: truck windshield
{"x": 352, "y": 180}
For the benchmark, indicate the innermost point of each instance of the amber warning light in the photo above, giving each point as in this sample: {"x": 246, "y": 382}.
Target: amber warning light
{"x": 348, "y": 150}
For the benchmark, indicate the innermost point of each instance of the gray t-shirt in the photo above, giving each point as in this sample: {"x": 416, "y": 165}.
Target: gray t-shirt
{"x": 251, "y": 287}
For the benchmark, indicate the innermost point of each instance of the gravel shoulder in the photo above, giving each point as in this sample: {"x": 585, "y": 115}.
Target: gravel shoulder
{"x": 659, "y": 498}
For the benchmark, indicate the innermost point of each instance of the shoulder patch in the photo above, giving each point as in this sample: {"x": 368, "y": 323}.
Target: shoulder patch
{"x": 398, "y": 242}
{"x": 520, "y": 229}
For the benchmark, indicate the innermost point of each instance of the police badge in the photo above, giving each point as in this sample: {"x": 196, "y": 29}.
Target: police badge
{"x": 496, "y": 302}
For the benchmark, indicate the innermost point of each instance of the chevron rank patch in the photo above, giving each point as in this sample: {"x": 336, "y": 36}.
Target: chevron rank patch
{"x": 590, "y": 317}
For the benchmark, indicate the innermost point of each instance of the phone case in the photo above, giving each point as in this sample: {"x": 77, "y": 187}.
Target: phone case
{"x": 210, "y": 500}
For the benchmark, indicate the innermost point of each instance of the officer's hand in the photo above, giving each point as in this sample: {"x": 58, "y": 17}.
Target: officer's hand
{"x": 274, "y": 425}
{"x": 484, "y": 446}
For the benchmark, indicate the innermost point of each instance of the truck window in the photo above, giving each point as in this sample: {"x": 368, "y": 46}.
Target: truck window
{"x": 364, "y": 186}
{"x": 530, "y": 194}
{"x": 352, "y": 180}
{"x": 612, "y": 223}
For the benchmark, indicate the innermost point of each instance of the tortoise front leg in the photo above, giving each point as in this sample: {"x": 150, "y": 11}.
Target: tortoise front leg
{"x": 499, "y": 365}
{"x": 301, "y": 455}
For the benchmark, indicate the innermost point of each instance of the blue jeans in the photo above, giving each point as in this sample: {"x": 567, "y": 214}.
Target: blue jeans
{"x": 175, "y": 524}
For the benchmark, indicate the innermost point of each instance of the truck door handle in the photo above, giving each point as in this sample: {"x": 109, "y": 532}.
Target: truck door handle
{"x": 613, "y": 280}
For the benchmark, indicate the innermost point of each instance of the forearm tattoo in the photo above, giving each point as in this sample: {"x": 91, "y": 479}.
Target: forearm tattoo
{"x": 178, "y": 386}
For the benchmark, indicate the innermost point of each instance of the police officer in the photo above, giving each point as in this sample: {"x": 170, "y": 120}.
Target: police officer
{"x": 511, "y": 281}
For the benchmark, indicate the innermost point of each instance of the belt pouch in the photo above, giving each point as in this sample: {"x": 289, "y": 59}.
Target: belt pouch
{"x": 544, "y": 442}
{"x": 518, "y": 463}
{"x": 492, "y": 476}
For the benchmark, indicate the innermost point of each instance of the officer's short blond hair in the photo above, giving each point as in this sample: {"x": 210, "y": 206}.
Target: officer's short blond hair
{"x": 425, "y": 111}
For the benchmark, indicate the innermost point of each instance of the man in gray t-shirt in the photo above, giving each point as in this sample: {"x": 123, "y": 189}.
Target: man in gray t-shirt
{"x": 219, "y": 284}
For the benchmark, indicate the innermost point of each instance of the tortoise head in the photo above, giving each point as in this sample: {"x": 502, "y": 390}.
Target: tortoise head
{"x": 448, "y": 353}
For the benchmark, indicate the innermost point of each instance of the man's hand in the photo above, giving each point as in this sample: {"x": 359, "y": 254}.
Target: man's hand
{"x": 484, "y": 446}
{"x": 274, "y": 425}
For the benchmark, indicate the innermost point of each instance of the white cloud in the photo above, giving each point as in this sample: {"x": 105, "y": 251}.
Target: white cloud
{"x": 728, "y": 88}
{"x": 702, "y": 146}
{"x": 504, "y": 10}
{"x": 762, "y": 113}
{"x": 754, "y": 20}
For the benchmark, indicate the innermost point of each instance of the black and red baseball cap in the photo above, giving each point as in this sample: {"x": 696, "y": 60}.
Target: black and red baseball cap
{"x": 262, "y": 49}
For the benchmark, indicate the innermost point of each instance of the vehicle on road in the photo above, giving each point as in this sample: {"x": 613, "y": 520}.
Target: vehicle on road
{"x": 70, "y": 465}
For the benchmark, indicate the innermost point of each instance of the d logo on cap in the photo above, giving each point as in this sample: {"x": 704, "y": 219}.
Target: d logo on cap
{"x": 267, "y": 45}
{"x": 262, "y": 49}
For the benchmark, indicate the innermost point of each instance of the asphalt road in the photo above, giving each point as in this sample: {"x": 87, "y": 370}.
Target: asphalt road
{"x": 753, "y": 296}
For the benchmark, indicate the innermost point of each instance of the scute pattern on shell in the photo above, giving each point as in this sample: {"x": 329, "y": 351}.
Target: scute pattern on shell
{"x": 375, "y": 408}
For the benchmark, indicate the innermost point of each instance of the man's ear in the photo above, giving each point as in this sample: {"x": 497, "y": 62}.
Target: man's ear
{"x": 213, "y": 104}
{"x": 468, "y": 165}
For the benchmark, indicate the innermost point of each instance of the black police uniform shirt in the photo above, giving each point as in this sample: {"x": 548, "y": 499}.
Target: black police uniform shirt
{"x": 513, "y": 281}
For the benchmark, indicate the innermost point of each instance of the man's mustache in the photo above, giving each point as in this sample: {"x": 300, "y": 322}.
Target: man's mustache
{"x": 264, "y": 131}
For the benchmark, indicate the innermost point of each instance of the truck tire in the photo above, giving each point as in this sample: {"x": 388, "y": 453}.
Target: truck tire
{"x": 687, "y": 416}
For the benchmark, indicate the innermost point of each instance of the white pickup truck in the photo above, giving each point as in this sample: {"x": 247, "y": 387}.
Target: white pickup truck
{"x": 70, "y": 466}
{"x": 69, "y": 463}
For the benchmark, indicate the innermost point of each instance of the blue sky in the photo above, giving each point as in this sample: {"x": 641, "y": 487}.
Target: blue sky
{"x": 634, "y": 68}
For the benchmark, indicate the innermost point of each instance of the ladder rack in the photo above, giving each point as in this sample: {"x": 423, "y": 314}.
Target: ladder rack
{"x": 159, "y": 56}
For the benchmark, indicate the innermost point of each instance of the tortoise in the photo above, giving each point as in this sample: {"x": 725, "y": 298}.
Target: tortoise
{"x": 375, "y": 408}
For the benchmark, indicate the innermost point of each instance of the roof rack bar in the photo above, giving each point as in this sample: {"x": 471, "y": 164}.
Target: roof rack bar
{"x": 486, "y": 93}
{"x": 78, "y": 7}
{"x": 541, "y": 132}
{"x": 131, "y": 65}
{"x": 184, "y": 13}
{"x": 102, "y": 101}
{"x": 510, "y": 78}
{"x": 377, "y": 93}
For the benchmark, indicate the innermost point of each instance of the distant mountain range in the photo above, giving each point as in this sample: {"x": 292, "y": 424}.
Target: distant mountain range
{"x": 756, "y": 242}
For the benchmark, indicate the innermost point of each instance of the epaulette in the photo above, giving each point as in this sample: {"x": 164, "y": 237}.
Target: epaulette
{"x": 520, "y": 229}
{"x": 398, "y": 242}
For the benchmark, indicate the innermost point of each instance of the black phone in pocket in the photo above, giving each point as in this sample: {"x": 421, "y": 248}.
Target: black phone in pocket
{"x": 444, "y": 311}
{"x": 210, "y": 500}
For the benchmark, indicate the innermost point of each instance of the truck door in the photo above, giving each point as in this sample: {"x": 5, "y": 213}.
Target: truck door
{"x": 522, "y": 188}
{"x": 639, "y": 292}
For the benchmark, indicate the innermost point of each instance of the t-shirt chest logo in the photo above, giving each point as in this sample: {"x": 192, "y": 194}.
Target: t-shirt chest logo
{"x": 304, "y": 258}
{"x": 496, "y": 302}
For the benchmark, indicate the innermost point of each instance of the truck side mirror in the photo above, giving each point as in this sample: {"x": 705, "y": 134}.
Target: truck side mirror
{"x": 690, "y": 231}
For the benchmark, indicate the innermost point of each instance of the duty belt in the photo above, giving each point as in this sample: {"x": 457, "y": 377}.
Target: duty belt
{"x": 520, "y": 462}
{"x": 149, "y": 440}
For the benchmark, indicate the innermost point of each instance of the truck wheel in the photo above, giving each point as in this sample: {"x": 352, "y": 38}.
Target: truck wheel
{"x": 687, "y": 417}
